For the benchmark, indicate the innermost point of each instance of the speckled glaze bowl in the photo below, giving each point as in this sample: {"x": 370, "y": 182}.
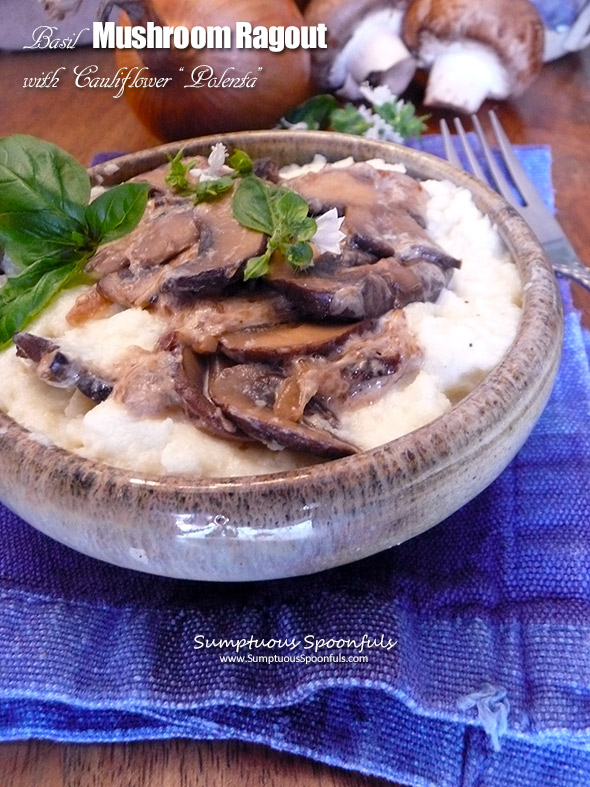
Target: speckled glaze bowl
{"x": 299, "y": 522}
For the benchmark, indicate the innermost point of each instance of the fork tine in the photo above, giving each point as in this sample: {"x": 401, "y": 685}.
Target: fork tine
{"x": 513, "y": 165}
{"x": 471, "y": 158}
{"x": 501, "y": 183}
{"x": 451, "y": 154}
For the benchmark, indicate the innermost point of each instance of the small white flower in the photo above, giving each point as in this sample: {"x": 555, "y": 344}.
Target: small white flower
{"x": 377, "y": 95}
{"x": 378, "y": 127}
{"x": 217, "y": 158}
{"x": 328, "y": 236}
{"x": 217, "y": 166}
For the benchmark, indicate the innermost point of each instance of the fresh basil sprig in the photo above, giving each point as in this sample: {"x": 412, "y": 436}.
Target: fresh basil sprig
{"x": 275, "y": 211}
{"x": 279, "y": 213}
{"x": 206, "y": 190}
{"x": 47, "y": 226}
{"x": 324, "y": 113}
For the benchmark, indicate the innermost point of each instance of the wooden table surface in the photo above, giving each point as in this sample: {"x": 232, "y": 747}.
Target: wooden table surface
{"x": 556, "y": 110}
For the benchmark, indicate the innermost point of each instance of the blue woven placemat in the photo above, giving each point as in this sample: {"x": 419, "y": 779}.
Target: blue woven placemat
{"x": 488, "y": 684}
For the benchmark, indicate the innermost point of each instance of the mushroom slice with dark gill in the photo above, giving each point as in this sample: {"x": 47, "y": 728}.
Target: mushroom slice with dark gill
{"x": 191, "y": 383}
{"x": 384, "y": 217}
{"x": 170, "y": 378}
{"x": 284, "y": 341}
{"x": 246, "y": 393}
{"x": 372, "y": 357}
{"x": 199, "y": 324}
{"x": 384, "y": 210}
{"x": 57, "y": 369}
{"x": 224, "y": 248}
{"x": 132, "y": 267}
{"x": 362, "y": 291}
{"x": 162, "y": 234}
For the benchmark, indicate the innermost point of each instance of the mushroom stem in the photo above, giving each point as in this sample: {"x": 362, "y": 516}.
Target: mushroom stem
{"x": 376, "y": 53}
{"x": 463, "y": 78}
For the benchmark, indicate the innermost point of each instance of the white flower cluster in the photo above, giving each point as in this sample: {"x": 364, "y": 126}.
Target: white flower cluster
{"x": 378, "y": 127}
{"x": 217, "y": 166}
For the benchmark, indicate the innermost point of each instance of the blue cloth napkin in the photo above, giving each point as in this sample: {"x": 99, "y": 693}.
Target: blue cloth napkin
{"x": 488, "y": 683}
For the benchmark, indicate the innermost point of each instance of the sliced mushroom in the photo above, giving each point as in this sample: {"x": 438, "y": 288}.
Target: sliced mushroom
{"x": 384, "y": 218}
{"x": 361, "y": 292}
{"x": 377, "y": 354}
{"x": 191, "y": 384}
{"x": 56, "y": 368}
{"x": 475, "y": 50}
{"x": 200, "y": 323}
{"x": 281, "y": 342}
{"x": 246, "y": 393}
{"x": 364, "y": 44}
{"x": 224, "y": 248}
{"x": 162, "y": 234}
{"x": 384, "y": 211}
{"x": 90, "y": 304}
{"x": 145, "y": 385}
{"x": 131, "y": 268}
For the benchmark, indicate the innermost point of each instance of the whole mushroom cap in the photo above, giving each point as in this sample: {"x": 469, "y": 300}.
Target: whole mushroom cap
{"x": 342, "y": 18}
{"x": 512, "y": 28}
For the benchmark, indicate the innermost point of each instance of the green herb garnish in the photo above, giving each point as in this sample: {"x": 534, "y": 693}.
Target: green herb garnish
{"x": 323, "y": 113}
{"x": 349, "y": 120}
{"x": 402, "y": 118}
{"x": 206, "y": 190}
{"x": 272, "y": 210}
{"x": 177, "y": 175}
{"x": 48, "y": 227}
{"x": 279, "y": 213}
{"x": 241, "y": 162}
{"x": 316, "y": 112}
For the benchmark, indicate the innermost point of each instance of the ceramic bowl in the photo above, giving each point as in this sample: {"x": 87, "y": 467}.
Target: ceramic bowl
{"x": 303, "y": 521}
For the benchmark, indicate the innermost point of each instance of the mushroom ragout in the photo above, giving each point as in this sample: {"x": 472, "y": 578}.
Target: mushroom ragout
{"x": 287, "y": 360}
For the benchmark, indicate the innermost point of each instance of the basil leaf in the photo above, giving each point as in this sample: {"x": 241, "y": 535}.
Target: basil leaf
{"x": 209, "y": 190}
{"x": 291, "y": 207}
{"x": 257, "y": 266}
{"x": 36, "y": 176}
{"x": 25, "y": 295}
{"x": 306, "y": 229}
{"x": 299, "y": 255}
{"x": 315, "y": 112}
{"x": 30, "y": 237}
{"x": 279, "y": 213}
{"x": 47, "y": 225}
{"x": 43, "y": 191}
{"x": 241, "y": 162}
{"x": 116, "y": 211}
{"x": 177, "y": 176}
{"x": 349, "y": 121}
{"x": 252, "y": 205}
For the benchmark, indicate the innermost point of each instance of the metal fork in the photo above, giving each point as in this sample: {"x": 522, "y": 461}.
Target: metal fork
{"x": 534, "y": 211}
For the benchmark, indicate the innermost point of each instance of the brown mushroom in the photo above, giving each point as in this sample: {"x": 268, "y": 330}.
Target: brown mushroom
{"x": 200, "y": 324}
{"x": 224, "y": 247}
{"x": 475, "y": 50}
{"x": 247, "y": 392}
{"x": 281, "y": 342}
{"x": 191, "y": 384}
{"x": 56, "y": 368}
{"x": 364, "y": 45}
{"x": 388, "y": 260}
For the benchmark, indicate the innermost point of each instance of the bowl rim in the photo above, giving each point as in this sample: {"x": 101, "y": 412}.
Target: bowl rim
{"x": 539, "y": 287}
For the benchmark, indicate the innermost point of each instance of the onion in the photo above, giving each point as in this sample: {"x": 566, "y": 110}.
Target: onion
{"x": 177, "y": 112}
